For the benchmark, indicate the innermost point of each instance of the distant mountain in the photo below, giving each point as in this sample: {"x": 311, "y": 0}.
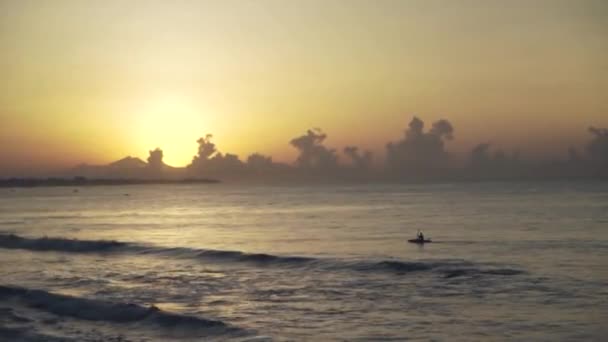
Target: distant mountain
{"x": 128, "y": 163}
{"x": 128, "y": 167}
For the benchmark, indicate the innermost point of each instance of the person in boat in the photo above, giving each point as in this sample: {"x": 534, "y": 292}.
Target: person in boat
{"x": 420, "y": 236}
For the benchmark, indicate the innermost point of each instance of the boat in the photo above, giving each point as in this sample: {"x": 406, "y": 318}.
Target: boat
{"x": 420, "y": 241}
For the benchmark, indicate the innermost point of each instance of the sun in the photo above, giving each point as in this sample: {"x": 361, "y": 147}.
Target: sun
{"x": 172, "y": 123}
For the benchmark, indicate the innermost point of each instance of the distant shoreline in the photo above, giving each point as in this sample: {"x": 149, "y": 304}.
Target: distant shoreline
{"x": 80, "y": 181}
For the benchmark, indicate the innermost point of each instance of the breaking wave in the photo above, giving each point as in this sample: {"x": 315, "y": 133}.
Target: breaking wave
{"x": 99, "y": 310}
{"x": 449, "y": 268}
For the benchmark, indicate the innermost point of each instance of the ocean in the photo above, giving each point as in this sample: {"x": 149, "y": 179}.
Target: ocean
{"x": 229, "y": 262}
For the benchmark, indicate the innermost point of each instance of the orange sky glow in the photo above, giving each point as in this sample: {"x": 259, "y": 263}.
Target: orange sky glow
{"x": 86, "y": 81}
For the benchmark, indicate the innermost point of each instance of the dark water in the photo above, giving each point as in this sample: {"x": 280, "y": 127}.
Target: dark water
{"x": 509, "y": 261}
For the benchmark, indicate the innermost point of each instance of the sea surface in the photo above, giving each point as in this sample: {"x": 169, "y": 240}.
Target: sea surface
{"x": 225, "y": 262}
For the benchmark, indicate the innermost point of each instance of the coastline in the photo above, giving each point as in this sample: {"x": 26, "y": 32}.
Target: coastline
{"x": 80, "y": 181}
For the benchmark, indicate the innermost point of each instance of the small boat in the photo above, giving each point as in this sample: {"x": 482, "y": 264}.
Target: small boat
{"x": 419, "y": 241}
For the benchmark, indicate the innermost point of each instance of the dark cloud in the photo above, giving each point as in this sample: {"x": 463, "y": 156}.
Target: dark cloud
{"x": 260, "y": 165}
{"x": 573, "y": 155}
{"x": 359, "y": 161}
{"x": 228, "y": 163}
{"x": 484, "y": 164}
{"x": 206, "y": 149}
{"x": 420, "y": 152}
{"x": 155, "y": 160}
{"x": 480, "y": 156}
{"x": 313, "y": 155}
{"x": 210, "y": 162}
{"x": 597, "y": 148}
{"x": 419, "y": 155}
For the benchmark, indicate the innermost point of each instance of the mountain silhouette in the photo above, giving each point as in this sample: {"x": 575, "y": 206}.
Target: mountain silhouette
{"x": 127, "y": 167}
{"x": 128, "y": 163}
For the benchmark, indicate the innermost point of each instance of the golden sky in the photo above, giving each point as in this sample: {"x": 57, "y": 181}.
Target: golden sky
{"x": 93, "y": 81}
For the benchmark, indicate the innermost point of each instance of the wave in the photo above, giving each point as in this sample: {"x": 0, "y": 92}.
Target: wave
{"x": 99, "y": 310}
{"x": 454, "y": 273}
{"x": 449, "y": 268}
{"x": 11, "y": 223}
{"x": 25, "y": 334}
{"x": 12, "y": 241}
{"x": 394, "y": 266}
{"x": 260, "y": 258}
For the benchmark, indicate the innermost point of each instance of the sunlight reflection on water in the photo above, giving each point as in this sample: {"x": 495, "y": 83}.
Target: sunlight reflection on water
{"x": 507, "y": 263}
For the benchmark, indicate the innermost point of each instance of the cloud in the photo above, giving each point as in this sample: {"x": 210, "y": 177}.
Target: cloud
{"x": 155, "y": 159}
{"x": 260, "y": 164}
{"x": 206, "y": 149}
{"x": 313, "y": 155}
{"x": 480, "y": 156}
{"x": 229, "y": 163}
{"x": 419, "y": 155}
{"x": 359, "y": 161}
{"x": 597, "y": 148}
{"x": 210, "y": 162}
{"x": 420, "y": 152}
{"x": 485, "y": 165}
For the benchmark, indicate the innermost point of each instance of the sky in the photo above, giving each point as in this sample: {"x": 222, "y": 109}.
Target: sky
{"x": 94, "y": 81}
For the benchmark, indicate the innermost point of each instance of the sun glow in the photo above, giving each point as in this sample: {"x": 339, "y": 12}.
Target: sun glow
{"x": 171, "y": 123}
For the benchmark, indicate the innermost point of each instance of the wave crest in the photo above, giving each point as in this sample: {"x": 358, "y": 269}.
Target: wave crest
{"x": 12, "y": 241}
{"x": 454, "y": 273}
{"x": 450, "y": 268}
{"x": 99, "y": 310}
